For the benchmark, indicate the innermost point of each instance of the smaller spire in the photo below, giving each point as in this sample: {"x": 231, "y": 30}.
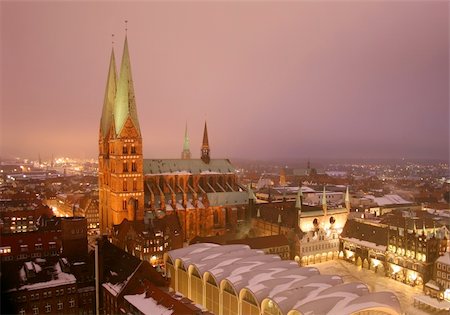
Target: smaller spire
{"x": 258, "y": 214}
{"x": 251, "y": 194}
{"x": 424, "y": 232}
{"x": 186, "y": 154}
{"x": 279, "y": 218}
{"x": 205, "y": 146}
{"x": 298, "y": 199}
{"x": 347, "y": 199}
{"x": 324, "y": 200}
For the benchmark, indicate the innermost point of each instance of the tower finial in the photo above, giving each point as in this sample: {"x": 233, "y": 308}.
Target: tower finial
{"x": 126, "y": 27}
{"x": 324, "y": 201}
{"x": 112, "y": 40}
{"x": 205, "y": 146}
{"x": 186, "y": 154}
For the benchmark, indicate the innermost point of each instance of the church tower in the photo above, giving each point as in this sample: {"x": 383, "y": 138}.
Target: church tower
{"x": 186, "y": 154}
{"x": 121, "y": 168}
{"x": 205, "y": 146}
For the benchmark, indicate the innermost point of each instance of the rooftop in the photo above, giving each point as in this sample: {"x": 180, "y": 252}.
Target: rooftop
{"x": 286, "y": 284}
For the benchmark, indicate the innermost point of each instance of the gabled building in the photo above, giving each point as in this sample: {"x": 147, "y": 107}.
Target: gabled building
{"x": 403, "y": 245}
{"x": 313, "y": 230}
{"x": 149, "y": 239}
{"x": 40, "y": 286}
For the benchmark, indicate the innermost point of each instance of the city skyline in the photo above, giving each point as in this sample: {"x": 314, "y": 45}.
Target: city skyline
{"x": 273, "y": 81}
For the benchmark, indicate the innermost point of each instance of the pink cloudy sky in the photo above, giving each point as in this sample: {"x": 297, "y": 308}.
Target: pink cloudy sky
{"x": 327, "y": 79}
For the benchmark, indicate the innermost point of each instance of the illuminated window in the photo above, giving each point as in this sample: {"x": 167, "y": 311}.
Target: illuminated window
{"x": 60, "y": 305}
{"x": 48, "y": 308}
{"x": 125, "y": 186}
{"x": 5, "y": 250}
{"x": 35, "y": 310}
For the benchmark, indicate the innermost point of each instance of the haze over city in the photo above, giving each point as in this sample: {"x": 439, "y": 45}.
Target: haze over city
{"x": 303, "y": 79}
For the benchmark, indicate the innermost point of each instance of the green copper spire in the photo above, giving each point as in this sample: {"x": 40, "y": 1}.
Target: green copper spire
{"x": 186, "y": 140}
{"x": 186, "y": 154}
{"x": 125, "y": 105}
{"x": 110, "y": 95}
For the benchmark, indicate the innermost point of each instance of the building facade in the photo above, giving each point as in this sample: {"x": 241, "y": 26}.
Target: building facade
{"x": 313, "y": 230}
{"x": 394, "y": 245}
{"x": 121, "y": 185}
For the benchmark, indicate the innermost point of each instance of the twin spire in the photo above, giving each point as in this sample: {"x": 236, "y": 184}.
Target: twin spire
{"x": 119, "y": 103}
{"x": 186, "y": 154}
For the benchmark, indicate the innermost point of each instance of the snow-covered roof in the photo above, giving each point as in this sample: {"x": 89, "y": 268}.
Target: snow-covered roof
{"x": 291, "y": 287}
{"x": 365, "y": 243}
{"x": 444, "y": 259}
{"x": 187, "y": 167}
{"x": 388, "y": 200}
{"x": 59, "y": 277}
{"x": 147, "y": 306}
{"x": 435, "y": 303}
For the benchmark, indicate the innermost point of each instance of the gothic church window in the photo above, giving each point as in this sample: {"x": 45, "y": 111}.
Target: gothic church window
{"x": 124, "y": 205}
{"x": 125, "y": 166}
{"x": 133, "y": 149}
{"x": 125, "y": 150}
{"x": 125, "y": 186}
{"x": 133, "y": 166}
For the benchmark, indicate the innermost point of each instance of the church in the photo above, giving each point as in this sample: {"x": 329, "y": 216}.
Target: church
{"x": 204, "y": 194}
